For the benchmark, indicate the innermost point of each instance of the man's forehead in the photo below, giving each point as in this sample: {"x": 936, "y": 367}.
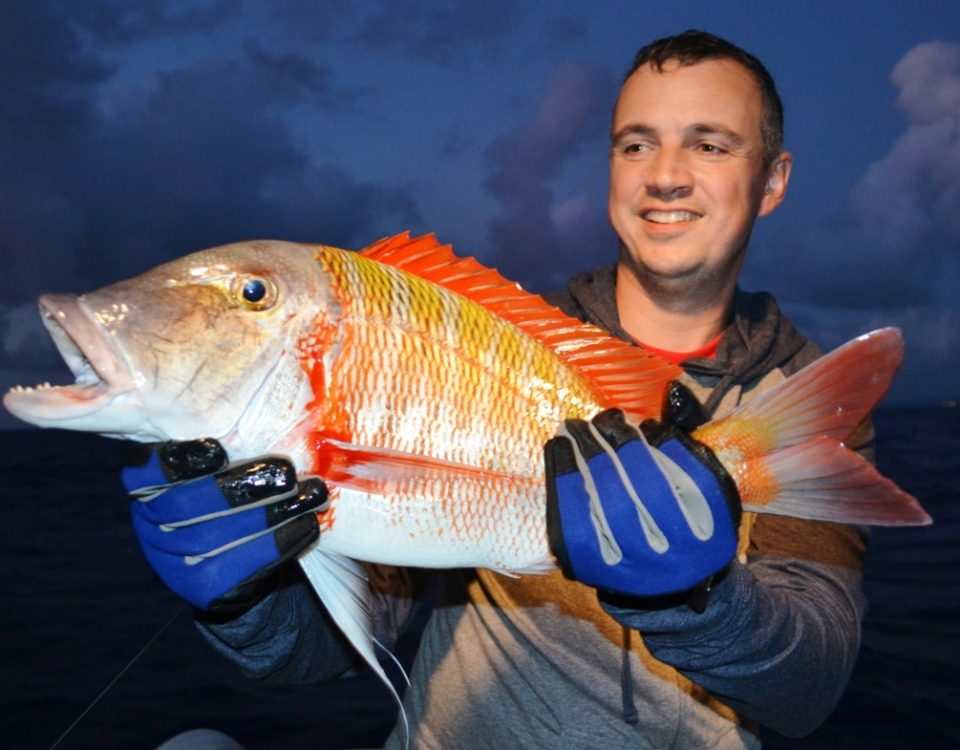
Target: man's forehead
{"x": 721, "y": 76}
{"x": 706, "y": 91}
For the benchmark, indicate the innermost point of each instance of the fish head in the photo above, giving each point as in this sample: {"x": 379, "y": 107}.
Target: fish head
{"x": 201, "y": 346}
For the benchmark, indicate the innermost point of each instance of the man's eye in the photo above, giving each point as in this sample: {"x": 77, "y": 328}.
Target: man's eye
{"x": 634, "y": 148}
{"x": 710, "y": 148}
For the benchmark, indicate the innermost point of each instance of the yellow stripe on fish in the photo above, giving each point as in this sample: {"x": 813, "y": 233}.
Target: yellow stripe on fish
{"x": 446, "y": 350}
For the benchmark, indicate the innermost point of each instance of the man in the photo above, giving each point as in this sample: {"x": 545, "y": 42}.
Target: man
{"x": 546, "y": 662}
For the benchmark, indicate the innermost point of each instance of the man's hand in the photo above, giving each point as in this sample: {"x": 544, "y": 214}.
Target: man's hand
{"x": 644, "y": 512}
{"x": 215, "y": 534}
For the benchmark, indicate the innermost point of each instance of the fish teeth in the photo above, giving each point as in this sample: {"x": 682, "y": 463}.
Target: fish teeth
{"x": 45, "y": 386}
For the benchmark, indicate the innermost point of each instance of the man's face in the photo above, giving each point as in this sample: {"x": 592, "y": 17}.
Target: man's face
{"x": 687, "y": 178}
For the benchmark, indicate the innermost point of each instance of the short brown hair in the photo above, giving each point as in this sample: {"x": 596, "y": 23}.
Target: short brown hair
{"x": 692, "y": 47}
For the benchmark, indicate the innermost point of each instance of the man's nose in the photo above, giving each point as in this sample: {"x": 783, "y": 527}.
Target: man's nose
{"x": 669, "y": 176}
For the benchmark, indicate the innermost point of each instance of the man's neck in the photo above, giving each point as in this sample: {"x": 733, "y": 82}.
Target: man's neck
{"x": 677, "y": 323}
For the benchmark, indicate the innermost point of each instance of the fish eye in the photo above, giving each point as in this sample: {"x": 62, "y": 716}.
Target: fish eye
{"x": 254, "y": 292}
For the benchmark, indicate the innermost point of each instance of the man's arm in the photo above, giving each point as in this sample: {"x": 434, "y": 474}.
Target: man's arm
{"x": 288, "y": 637}
{"x": 781, "y": 634}
{"x": 777, "y": 642}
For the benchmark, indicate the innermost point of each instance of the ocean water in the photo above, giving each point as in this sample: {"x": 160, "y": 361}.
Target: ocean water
{"x": 83, "y": 615}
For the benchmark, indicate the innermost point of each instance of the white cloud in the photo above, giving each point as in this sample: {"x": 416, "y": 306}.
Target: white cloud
{"x": 902, "y": 219}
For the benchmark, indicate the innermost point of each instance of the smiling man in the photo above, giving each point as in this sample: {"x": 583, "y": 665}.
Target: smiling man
{"x": 696, "y": 157}
{"x": 689, "y": 173}
{"x": 670, "y": 640}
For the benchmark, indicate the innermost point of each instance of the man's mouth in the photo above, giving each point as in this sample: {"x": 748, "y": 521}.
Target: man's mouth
{"x": 668, "y": 217}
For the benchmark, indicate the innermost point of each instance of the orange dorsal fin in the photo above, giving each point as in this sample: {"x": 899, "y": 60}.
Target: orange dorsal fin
{"x": 625, "y": 376}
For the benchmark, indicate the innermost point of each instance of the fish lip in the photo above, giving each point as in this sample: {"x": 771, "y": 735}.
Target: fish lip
{"x": 81, "y": 340}
{"x": 101, "y": 373}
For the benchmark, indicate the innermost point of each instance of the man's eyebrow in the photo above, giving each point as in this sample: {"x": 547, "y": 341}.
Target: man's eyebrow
{"x": 699, "y": 129}
{"x": 632, "y": 129}
{"x": 709, "y": 128}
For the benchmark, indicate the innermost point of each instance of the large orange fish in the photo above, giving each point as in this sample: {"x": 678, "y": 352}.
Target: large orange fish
{"x": 422, "y": 387}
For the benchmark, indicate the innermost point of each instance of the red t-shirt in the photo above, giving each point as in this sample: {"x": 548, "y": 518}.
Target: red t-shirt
{"x": 708, "y": 350}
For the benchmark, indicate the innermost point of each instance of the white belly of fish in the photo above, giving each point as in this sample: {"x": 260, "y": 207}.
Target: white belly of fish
{"x": 472, "y": 526}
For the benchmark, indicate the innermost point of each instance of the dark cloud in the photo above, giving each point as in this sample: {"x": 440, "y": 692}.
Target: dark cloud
{"x": 291, "y": 77}
{"x": 46, "y": 80}
{"x": 197, "y": 156}
{"x": 573, "y": 111}
{"x": 205, "y": 159}
{"x": 47, "y": 90}
{"x": 902, "y": 220}
{"x": 119, "y": 22}
{"x": 104, "y": 178}
{"x": 305, "y": 23}
{"x": 439, "y": 32}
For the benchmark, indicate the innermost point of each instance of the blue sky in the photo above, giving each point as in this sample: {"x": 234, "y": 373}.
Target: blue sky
{"x": 135, "y": 132}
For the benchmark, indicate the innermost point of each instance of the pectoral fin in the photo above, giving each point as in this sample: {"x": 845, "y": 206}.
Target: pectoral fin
{"x": 342, "y": 586}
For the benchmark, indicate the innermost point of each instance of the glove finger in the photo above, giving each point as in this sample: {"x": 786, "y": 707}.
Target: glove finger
{"x": 312, "y": 495}
{"x": 255, "y": 481}
{"x": 173, "y": 462}
{"x": 184, "y": 503}
{"x": 582, "y": 439}
{"x": 713, "y": 485}
{"x": 202, "y": 580}
{"x": 189, "y": 459}
{"x": 617, "y": 476}
{"x": 681, "y": 407}
{"x": 148, "y": 476}
{"x": 252, "y": 483}
{"x": 226, "y": 528}
{"x": 559, "y": 456}
{"x": 613, "y": 425}
{"x": 197, "y": 537}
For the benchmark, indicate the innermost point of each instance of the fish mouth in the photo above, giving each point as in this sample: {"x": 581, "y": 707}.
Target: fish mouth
{"x": 101, "y": 374}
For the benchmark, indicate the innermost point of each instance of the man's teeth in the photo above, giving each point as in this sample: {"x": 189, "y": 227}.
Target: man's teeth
{"x": 669, "y": 217}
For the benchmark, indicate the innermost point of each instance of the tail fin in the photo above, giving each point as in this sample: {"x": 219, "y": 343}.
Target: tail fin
{"x": 832, "y": 395}
{"x": 822, "y": 480}
{"x": 793, "y": 461}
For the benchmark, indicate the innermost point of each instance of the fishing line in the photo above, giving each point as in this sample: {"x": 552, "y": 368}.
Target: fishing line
{"x": 120, "y": 674}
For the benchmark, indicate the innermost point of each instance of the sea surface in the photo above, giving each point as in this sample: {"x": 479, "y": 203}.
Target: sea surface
{"x": 97, "y": 654}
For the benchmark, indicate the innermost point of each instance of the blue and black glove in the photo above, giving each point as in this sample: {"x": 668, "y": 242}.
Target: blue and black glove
{"x": 644, "y": 512}
{"x": 216, "y": 534}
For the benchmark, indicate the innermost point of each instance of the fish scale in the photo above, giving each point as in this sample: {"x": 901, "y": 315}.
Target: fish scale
{"x": 446, "y": 350}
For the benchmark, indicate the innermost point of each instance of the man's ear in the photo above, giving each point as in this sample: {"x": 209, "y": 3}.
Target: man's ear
{"x": 778, "y": 175}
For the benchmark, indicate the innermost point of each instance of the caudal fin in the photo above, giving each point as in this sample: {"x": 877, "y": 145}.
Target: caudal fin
{"x": 830, "y": 396}
{"x": 786, "y": 445}
{"x": 822, "y": 480}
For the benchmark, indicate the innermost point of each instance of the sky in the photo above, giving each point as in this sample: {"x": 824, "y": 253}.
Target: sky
{"x": 132, "y": 133}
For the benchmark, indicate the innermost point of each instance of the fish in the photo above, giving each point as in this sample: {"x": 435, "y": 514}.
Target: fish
{"x": 422, "y": 386}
